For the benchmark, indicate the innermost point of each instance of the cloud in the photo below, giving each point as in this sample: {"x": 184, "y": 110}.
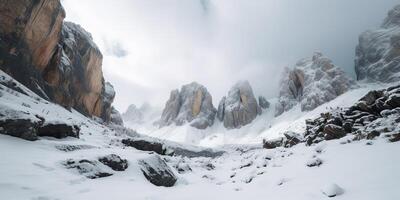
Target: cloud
{"x": 154, "y": 46}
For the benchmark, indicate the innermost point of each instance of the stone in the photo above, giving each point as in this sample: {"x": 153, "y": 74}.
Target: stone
{"x": 311, "y": 82}
{"x": 144, "y": 145}
{"x": 332, "y": 131}
{"x": 115, "y": 162}
{"x": 240, "y": 106}
{"x": 58, "y": 130}
{"x": 115, "y": 117}
{"x": 91, "y": 169}
{"x": 193, "y": 104}
{"x": 22, "y": 128}
{"x": 315, "y": 162}
{"x": 263, "y": 103}
{"x": 378, "y": 51}
{"x": 157, "y": 171}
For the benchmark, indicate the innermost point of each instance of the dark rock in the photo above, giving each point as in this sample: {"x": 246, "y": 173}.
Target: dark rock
{"x": 263, "y": 103}
{"x": 114, "y": 162}
{"x": 316, "y": 162}
{"x": 88, "y": 168}
{"x": 157, "y": 171}
{"x": 272, "y": 144}
{"x": 144, "y": 145}
{"x": 22, "y": 128}
{"x": 333, "y": 132}
{"x": 373, "y": 134}
{"x": 394, "y": 137}
{"x": 69, "y": 148}
{"x": 348, "y": 127}
{"x": 59, "y": 130}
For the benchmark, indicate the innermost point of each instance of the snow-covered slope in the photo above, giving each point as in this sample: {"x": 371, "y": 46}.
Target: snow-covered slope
{"x": 265, "y": 126}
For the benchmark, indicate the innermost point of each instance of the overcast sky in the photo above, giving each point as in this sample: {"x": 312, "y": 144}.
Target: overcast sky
{"x": 153, "y": 46}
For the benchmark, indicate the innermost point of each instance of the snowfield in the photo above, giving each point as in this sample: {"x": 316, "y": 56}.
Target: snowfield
{"x": 341, "y": 169}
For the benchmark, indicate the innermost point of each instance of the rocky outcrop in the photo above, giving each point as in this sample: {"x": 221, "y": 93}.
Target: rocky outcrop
{"x": 375, "y": 115}
{"x": 115, "y": 162}
{"x": 378, "y": 51}
{"x": 157, "y": 171}
{"x": 263, "y": 103}
{"x": 115, "y": 117}
{"x": 240, "y": 107}
{"x": 311, "y": 83}
{"x": 193, "y": 104}
{"x": 289, "y": 139}
{"x": 55, "y": 59}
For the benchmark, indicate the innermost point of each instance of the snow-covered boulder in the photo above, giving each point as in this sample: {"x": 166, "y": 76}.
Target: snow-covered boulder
{"x": 89, "y": 168}
{"x": 193, "y": 104}
{"x": 289, "y": 139}
{"x": 378, "y": 51}
{"x": 332, "y": 190}
{"x": 311, "y": 82}
{"x": 157, "y": 171}
{"x": 240, "y": 107}
{"x": 115, "y": 162}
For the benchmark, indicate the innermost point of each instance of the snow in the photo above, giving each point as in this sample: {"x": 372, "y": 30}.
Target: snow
{"x": 332, "y": 190}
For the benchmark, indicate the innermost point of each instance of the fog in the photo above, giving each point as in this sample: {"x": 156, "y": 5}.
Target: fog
{"x": 153, "y": 46}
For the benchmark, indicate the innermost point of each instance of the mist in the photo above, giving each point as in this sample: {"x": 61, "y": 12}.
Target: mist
{"x": 153, "y": 46}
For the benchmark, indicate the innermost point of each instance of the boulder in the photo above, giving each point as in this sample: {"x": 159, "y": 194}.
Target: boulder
{"x": 263, "y": 103}
{"x": 89, "y": 168}
{"x": 145, "y": 145}
{"x": 115, "y": 162}
{"x": 240, "y": 107}
{"x": 288, "y": 140}
{"x": 311, "y": 82}
{"x": 378, "y": 51}
{"x": 22, "y": 128}
{"x": 157, "y": 171}
{"x": 332, "y": 131}
{"x": 58, "y": 130}
{"x": 193, "y": 104}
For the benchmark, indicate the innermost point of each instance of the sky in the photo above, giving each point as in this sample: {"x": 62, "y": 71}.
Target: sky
{"x": 151, "y": 47}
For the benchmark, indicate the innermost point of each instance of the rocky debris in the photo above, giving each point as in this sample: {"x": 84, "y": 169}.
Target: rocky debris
{"x": 115, "y": 162}
{"x": 311, "y": 82}
{"x": 145, "y": 145}
{"x": 182, "y": 167}
{"x": 193, "y": 104}
{"x": 116, "y": 117}
{"x": 378, "y": 51}
{"x": 240, "y": 107}
{"x": 58, "y": 130}
{"x": 70, "y": 147}
{"x": 315, "y": 162}
{"x": 55, "y": 59}
{"x": 157, "y": 171}
{"x": 263, "y": 103}
{"x": 332, "y": 190}
{"x": 373, "y": 115}
{"x": 290, "y": 139}
{"x": 162, "y": 148}
{"x": 89, "y": 168}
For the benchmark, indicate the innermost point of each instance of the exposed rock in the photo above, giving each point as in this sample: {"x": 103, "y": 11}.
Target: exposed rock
{"x": 240, "y": 107}
{"x": 90, "y": 168}
{"x": 157, "y": 171}
{"x": 116, "y": 117}
{"x": 332, "y": 131}
{"x": 290, "y": 139}
{"x": 22, "y": 128}
{"x": 193, "y": 104}
{"x": 315, "y": 162}
{"x": 57, "y": 60}
{"x": 378, "y": 51}
{"x": 144, "y": 145}
{"x": 263, "y": 103}
{"x": 221, "y": 109}
{"x": 115, "y": 162}
{"x": 312, "y": 82}
{"x": 70, "y": 147}
{"x": 59, "y": 130}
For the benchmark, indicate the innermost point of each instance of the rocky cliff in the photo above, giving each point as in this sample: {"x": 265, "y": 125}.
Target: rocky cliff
{"x": 57, "y": 60}
{"x": 192, "y": 104}
{"x": 240, "y": 107}
{"x": 311, "y": 82}
{"x": 378, "y": 51}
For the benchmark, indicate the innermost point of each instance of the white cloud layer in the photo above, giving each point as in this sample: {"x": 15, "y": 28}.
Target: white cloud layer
{"x": 153, "y": 46}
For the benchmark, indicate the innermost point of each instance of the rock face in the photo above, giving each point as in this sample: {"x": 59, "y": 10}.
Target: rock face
{"x": 55, "y": 59}
{"x": 192, "y": 104}
{"x": 378, "y": 51}
{"x": 240, "y": 107}
{"x": 311, "y": 83}
{"x": 157, "y": 171}
{"x": 263, "y": 103}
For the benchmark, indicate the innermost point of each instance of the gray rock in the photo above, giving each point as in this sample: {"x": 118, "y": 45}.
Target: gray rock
{"x": 263, "y": 103}
{"x": 116, "y": 117}
{"x": 240, "y": 107}
{"x": 312, "y": 82}
{"x": 115, "y": 162}
{"x": 193, "y": 104}
{"x": 221, "y": 109}
{"x": 378, "y": 51}
{"x": 157, "y": 171}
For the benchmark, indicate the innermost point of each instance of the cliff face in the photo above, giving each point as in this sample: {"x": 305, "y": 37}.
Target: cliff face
{"x": 378, "y": 51}
{"x": 57, "y": 60}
